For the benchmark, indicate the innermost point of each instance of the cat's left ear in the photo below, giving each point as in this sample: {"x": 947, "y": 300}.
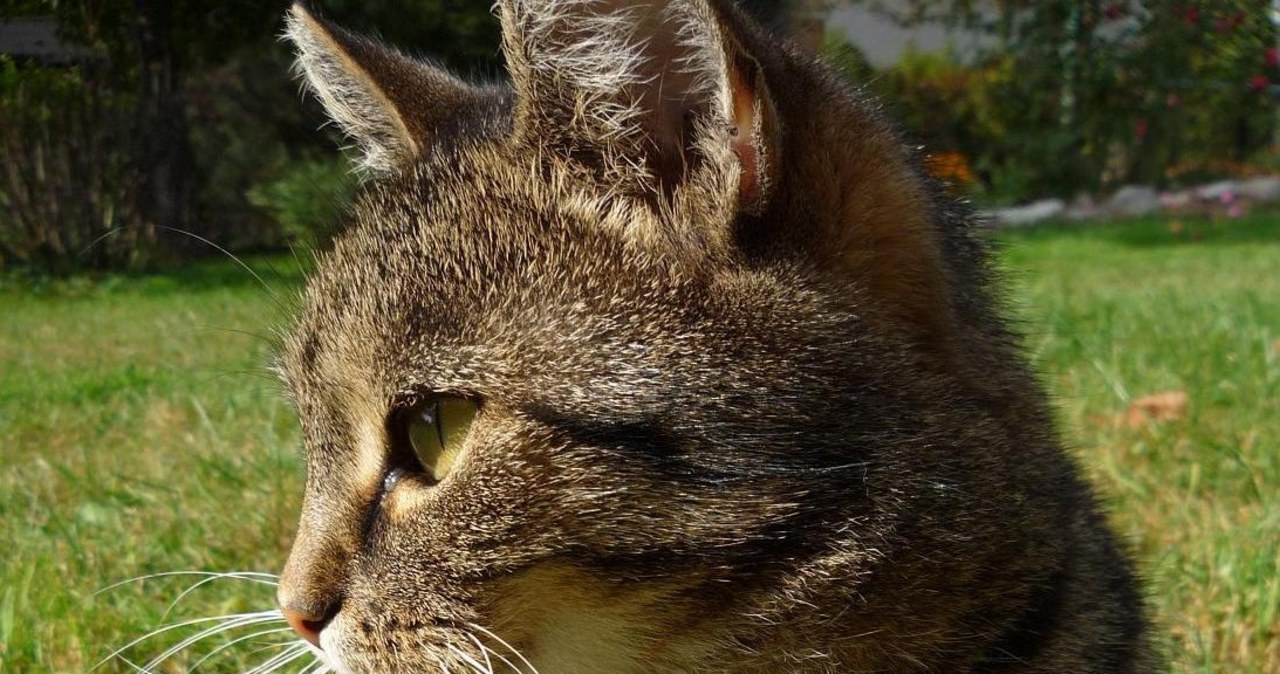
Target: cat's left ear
{"x": 393, "y": 107}
{"x": 651, "y": 92}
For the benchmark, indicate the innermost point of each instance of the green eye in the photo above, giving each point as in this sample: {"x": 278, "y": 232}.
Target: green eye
{"x": 437, "y": 429}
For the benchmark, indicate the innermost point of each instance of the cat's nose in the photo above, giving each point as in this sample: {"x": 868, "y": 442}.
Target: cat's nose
{"x": 308, "y": 623}
{"x": 312, "y": 585}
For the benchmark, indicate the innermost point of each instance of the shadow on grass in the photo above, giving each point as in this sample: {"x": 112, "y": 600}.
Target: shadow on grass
{"x": 1262, "y": 228}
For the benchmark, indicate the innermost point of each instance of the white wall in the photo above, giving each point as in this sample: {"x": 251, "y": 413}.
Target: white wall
{"x": 884, "y": 42}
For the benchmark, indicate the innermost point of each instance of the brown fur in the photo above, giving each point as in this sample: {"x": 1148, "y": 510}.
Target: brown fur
{"x": 747, "y": 402}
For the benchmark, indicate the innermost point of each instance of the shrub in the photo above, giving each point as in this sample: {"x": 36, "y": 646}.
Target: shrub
{"x": 66, "y": 188}
{"x": 308, "y": 199}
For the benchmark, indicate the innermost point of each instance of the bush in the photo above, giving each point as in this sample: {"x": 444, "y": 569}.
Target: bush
{"x": 308, "y": 199}
{"x": 1073, "y": 96}
{"x": 66, "y": 187}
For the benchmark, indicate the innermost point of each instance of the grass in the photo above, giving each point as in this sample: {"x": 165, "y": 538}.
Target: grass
{"x": 1118, "y": 312}
{"x": 138, "y": 437}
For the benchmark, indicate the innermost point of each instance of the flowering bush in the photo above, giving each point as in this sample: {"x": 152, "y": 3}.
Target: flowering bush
{"x": 1076, "y": 95}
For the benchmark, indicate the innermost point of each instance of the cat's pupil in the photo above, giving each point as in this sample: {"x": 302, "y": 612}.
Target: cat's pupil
{"x": 433, "y": 417}
{"x": 436, "y": 431}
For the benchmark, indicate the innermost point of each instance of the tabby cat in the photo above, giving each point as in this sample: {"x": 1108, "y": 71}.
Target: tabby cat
{"x": 666, "y": 356}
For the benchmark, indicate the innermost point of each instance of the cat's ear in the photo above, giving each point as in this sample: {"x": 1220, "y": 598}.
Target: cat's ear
{"x": 391, "y": 106}
{"x": 648, "y": 90}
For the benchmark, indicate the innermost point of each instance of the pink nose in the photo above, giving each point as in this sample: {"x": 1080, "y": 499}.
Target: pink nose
{"x": 307, "y": 624}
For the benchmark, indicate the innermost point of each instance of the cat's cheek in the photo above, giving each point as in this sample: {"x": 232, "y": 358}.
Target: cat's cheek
{"x": 564, "y": 619}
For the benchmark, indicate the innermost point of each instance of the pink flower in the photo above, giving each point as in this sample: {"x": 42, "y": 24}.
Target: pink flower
{"x": 1258, "y": 83}
{"x": 1272, "y": 57}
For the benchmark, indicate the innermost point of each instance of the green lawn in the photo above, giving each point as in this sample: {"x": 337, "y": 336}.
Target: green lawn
{"x": 141, "y": 434}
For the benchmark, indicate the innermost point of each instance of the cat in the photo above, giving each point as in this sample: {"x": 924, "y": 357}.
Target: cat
{"x": 667, "y": 356}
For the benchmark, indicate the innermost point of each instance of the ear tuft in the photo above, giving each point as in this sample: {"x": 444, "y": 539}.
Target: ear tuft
{"x": 390, "y": 105}
{"x": 645, "y": 90}
{"x": 349, "y": 94}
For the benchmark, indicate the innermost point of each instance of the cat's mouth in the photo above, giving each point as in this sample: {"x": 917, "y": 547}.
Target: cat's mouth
{"x": 350, "y": 645}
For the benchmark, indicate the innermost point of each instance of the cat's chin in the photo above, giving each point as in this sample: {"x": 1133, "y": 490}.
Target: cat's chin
{"x": 353, "y": 645}
{"x": 344, "y": 654}
{"x": 332, "y": 647}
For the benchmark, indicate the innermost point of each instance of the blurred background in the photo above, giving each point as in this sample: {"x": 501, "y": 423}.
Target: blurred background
{"x": 163, "y": 183}
{"x": 129, "y": 117}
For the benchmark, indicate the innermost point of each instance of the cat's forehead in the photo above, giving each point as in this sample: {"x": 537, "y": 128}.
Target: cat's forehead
{"x": 467, "y": 259}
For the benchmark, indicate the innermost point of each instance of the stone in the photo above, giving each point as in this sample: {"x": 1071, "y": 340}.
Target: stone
{"x": 1083, "y": 207}
{"x": 1133, "y": 201}
{"x": 1262, "y": 189}
{"x": 1030, "y": 214}
{"x": 1177, "y": 200}
{"x": 1222, "y": 191}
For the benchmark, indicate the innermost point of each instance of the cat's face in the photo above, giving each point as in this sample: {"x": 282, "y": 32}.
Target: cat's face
{"x": 574, "y": 397}
{"x": 635, "y": 439}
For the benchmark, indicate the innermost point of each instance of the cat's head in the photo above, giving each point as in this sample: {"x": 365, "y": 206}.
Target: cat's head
{"x": 606, "y": 358}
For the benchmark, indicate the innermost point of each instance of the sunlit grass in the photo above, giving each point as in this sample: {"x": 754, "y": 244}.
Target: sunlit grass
{"x": 141, "y": 434}
{"x": 1118, "y": 312}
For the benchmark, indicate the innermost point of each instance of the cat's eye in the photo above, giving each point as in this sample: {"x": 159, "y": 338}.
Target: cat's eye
{"x": 435, "y": 430}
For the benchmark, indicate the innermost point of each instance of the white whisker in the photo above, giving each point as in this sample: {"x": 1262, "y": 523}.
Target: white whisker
{"x": 265, "y": 615}
{"x": 250, "y": 576}
{"x": 470, "y": 661}
{"x": 209, "y": 579}
{"x": 488, "y": 664}
{"x": 489, "y": 651}
{"x": 234, "y": 623}
{"x": 504, "y": 644}
{"x": 278, "y": 661}
{"x": 505, "y": 660}
{"x": 262, "y": 633}
{"x": 317, "y": 667}
{"x": 273, "y": 647}
{"x": 131, "y": 664}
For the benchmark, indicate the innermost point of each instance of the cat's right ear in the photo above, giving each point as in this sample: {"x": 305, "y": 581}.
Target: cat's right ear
{"x": 391, "y": 106}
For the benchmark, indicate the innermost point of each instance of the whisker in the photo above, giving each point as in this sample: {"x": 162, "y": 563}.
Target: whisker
{"x": 504, "y": 644}
{"x": 505, "y": 660}
{"x": 468, "y": 659}
{"x": 208, "y": 579}
{"x": 131, "y": 663}
{"x": 226, "y": 626}
{"x": 251, "y": 576}
{"x": 488, "y": 664}
{"x": 271, "y": 292}
{"x": 268, "y": 339}
{"x": 278, "y": 661}
{"x": 273, "y": 647}
{"x": 317, "y": 667}
{"x": 489, "y": 651}
{"x": 266, "y": 615}
{"x": 233, "y": 642}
